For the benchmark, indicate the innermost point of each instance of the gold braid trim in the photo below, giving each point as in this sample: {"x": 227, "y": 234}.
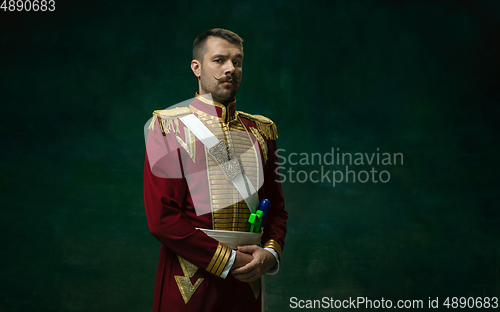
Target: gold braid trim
{"x": 219, "y": 260}
{"x": 274, "y": 245}
{"x": 262, "y": 143}
{"x": 265, "y": 125}
{"x": 168, "y": 119}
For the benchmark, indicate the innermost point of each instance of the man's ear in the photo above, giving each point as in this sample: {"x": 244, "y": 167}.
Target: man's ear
{"x": 196, "y": 68}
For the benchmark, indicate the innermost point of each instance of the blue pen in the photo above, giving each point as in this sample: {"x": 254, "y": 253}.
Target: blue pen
{"x": 264, "y": 206}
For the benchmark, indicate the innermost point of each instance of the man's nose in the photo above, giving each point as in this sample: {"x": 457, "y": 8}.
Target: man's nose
{"x": 229, "y": 68}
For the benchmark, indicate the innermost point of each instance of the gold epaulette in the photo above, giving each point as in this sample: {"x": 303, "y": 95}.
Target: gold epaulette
{"x": 265, "y": 125}
{"x": 168, "y": 119}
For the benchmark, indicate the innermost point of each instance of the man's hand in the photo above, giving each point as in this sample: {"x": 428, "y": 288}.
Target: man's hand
{"x": 241, "y": 260}
{"x": 262, "y": 262}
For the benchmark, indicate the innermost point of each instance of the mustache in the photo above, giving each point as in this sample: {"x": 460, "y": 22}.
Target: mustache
{"x": 228, "y": 77}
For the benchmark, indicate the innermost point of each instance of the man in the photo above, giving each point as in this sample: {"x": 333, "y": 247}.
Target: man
{"x": 187, "y": 192}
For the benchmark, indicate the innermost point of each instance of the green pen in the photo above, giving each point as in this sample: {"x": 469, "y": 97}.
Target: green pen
{"x": 255, "y": 219}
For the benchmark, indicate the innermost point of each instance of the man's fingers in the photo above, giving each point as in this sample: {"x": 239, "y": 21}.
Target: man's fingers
{"x": 248, "y": 277}
{"x": 248, "y": 248}
{"x": 246, "y": 268}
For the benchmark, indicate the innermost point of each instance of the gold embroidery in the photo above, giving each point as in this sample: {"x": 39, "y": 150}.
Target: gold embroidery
{"x": 229, "y": 220}
{"x": 214, "y": 258}
{"x": 190, "y": 144}
{"x": 231, "y": 210}
{"x": 224, "y": 108}
{"x": 262, "y": 144}
{"x": 184, "y": 282}
{"x": 222, "y": 189}
{"x": 209, "y": 186}
{"x": 186, "y": 288}
{"x": 211, "y": 119}
{"x": 274, "y": 245}
{"x": 223, "y": 217}
{"x": 230, "y": 224}
{"x": 232, "y": 218}
{"x": 265, "y": 125}
{"x": 223, "y": 194}
{"x": 187, "y": 267}
{"x": 219, "y": 259}
{"x": 236, "y": 125}
{"x": 222, "y": 201}
{"x": 168, "y": 119}
{"x": 207, "y": 101}
{"x": 226, "y": 161}
{"x": 223, "y": 262}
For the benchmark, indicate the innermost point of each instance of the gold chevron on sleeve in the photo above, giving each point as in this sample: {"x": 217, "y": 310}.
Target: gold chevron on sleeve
{"x": 187, "y": 267}
{"x": 274, "y": 245}
{"x": 186, "y": 288}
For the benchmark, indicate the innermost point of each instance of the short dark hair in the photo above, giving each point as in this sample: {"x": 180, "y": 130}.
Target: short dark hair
{"x": 199, "y": 43}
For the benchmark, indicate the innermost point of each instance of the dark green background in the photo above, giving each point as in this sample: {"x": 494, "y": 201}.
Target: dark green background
{"x": 416, "y": 77}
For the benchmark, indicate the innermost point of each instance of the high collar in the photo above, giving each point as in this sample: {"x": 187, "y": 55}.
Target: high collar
{"x": 213, "y": 109}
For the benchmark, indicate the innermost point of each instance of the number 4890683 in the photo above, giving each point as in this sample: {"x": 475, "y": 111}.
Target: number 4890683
{"x": 28, "y": 5}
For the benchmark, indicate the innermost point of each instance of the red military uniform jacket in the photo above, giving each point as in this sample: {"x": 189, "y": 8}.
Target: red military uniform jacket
{"x": 184, "y": 189}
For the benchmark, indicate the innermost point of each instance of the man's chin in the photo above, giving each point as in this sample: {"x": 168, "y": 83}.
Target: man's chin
{"x": 224, "y": 97}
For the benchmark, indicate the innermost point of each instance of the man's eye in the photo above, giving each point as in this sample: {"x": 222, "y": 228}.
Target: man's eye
{"x": 218, "y": 61}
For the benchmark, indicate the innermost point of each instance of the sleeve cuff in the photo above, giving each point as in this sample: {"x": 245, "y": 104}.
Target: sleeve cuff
{"x": 219, "y": 260}
{"x": 274, "y": 245}
{"x": 276, "y": 266}
{"x": 229, "y": 264}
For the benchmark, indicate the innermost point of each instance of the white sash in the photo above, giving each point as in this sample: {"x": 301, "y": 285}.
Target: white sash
{"x": 240, "y": 181}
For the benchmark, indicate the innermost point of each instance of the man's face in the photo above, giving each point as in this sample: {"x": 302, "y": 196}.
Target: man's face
{"x": 221, "y": 70}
